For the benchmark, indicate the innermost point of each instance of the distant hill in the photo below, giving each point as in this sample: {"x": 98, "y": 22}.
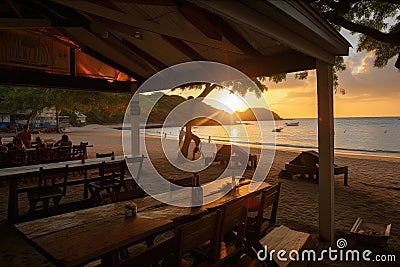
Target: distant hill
{"x": 206, "y": 114}
{"x": 261, "y": 114}
{"x": 160, "y": 111}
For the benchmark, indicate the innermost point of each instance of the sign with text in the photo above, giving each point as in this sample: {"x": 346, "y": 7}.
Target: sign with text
{"x": 30, "y": 50}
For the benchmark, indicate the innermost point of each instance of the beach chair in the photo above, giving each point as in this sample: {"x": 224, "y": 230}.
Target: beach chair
{"x": 307, "y": 164}
{"x": 223, "y": 156}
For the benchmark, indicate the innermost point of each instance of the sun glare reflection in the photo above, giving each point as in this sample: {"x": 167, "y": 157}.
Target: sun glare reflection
{"x": 226, "y": 100}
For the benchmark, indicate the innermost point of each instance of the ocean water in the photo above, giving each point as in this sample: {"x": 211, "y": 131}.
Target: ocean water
{"x": 353, "y": 135}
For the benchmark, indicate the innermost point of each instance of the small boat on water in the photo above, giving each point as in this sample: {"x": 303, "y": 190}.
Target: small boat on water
{"x": 277, "y": 130}
{"x": 292, "y": 123}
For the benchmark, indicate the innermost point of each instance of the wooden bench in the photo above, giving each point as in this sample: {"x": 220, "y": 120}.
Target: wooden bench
{"x": 224, "y": 159}
{"x": 286, "y": 239}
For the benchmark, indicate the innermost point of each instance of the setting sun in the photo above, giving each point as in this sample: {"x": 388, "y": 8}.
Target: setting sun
{"x": 227, "y": 101}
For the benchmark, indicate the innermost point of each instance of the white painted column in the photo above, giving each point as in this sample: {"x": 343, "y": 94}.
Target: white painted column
{"x": 325, "y": 144}
{"x": 135, "y": 122}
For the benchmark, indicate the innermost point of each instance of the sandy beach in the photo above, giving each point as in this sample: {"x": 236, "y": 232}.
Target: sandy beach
{"x": 373, "y": 194}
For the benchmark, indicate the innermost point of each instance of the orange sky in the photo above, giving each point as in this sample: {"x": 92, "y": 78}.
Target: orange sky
{"x": 370, "y": 92}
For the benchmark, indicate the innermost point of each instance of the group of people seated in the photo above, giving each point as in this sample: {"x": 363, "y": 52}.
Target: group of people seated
{"x": 23, "y": 140}
{"x": 3, "y": 148}
{"x": 16, "y": 144}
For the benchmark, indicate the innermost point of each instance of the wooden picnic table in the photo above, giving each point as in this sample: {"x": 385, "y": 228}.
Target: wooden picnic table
{"x": 13, "y": 174}
{"x": 79, "y": 237}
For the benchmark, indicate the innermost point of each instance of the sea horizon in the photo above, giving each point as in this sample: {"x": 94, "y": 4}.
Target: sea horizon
{"x": 353, "y": 135}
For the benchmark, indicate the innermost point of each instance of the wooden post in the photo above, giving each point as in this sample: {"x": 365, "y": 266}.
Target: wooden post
{"x": 325, "y": 144}
{"x": 135, "y": 122}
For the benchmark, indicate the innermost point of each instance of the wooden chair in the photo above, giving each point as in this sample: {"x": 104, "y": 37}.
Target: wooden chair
{"x": 78, "y": 152}
{"x": 3, "y": 156}
{"x": 111, "y": 175}
{"x": 43, "y": 155}
{"x": 105, "y": 155}
{"x": 234, "y": 216}
{"x": 63, "y": 153}
{"x": 206, "y": 230}
{"x": 15, "y": 158}
{"x": 152, "y": 256}
{"x": 257, "y": 226}
{"x": 48, "y": 188}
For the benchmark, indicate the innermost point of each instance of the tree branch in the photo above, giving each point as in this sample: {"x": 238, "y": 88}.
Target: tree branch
{"x": 390, "y": 1}
{"x": 207, "y": 90}
{"x": 391, "y": 38}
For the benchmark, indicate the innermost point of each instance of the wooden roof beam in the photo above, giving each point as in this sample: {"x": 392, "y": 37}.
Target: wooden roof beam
{"x": 145, "y": 56}
{"x": 13, "y": 23}
{"x": 108, "y": 14}
{"x": 184, "y": 48}
{"x": 94, "y": 53}
{"x": 201, "y": 19}
{"x": 27, "y": 78}
{"x": 291, "y": 61}
{"x": 215, "y": 27}
{"x": 97, "y": 48}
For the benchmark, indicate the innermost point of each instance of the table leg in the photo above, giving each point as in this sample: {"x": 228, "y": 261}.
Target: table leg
{"x": 12, "y": 201}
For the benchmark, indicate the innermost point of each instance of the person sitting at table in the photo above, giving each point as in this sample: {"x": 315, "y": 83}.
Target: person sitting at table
{"x": 40, "y": 143}
{"x": 3, "y": 148}
{"x": 25, "y": 136}
{"x": 64, "y": 141}
{"x": 17, "y": 144}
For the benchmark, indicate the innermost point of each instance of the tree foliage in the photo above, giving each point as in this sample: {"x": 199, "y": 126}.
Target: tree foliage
{"x": 378, "y": 22}
{"x": 101, "y": 106}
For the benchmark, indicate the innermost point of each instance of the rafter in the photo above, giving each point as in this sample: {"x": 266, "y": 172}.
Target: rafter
{"x": 215, "y": 27}
{"x": 201, "y": 19}
{"x": 13, "y": 23}
{"x": 184, "y": 48}
{"x": 276, "y": 64}
{"x": 47, "y": 80}
{"x": 178, "y": 32}
{"x": 145, "y": 56}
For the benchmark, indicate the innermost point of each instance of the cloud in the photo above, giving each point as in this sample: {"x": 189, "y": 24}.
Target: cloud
{"x": 363, "y": 81}
{"x": 365, "y": 67}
